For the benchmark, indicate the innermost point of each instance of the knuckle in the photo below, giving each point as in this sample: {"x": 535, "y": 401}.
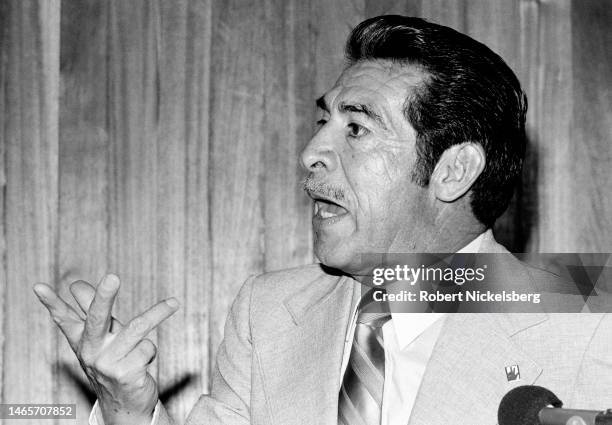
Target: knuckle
{"x": 101, "y": 367}
{"x": 140, "y": 381}
{"x": 121, "y": 376}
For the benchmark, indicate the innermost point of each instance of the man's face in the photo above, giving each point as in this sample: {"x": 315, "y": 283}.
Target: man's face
{"x": 360, "y": 162}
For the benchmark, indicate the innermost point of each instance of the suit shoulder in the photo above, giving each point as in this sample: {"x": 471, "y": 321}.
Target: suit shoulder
{"x": 280, "y": 284}
{"x": 547, "y": 281}
{"x": 272, "y": 294}
{"x": 293, "y": 272}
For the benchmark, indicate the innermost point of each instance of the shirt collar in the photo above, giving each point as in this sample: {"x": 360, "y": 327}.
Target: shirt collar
{"x": 409, "y": 326}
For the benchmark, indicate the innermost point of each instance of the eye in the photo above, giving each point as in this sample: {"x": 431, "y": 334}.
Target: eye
{"x": 356, "y": 130}
{"x": 321, "y": 122}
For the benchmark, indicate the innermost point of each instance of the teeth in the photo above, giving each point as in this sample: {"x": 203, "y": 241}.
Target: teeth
{"x": 328, "y": 210}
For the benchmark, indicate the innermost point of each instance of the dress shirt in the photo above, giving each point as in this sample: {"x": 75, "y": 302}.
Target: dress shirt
{"x": 95, "y": 417}
{"x": 409, "y": 340}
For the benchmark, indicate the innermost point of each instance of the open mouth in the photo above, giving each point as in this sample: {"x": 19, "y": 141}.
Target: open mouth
{"x": 326, "y": 209}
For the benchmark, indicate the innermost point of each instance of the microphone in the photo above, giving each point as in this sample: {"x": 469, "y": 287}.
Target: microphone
{"x": 528, "y": 405}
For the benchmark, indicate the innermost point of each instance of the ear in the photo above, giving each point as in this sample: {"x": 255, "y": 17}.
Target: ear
{"x": 457, "y": 170}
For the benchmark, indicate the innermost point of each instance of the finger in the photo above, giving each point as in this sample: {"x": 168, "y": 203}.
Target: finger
{"x": 84, "y": 294}
{"x": 137, "y": 328}
{"x": 98, "y": 320}
{"x": 62, "y": 314}
{"x": 133, "y": 366}
{"x": 141, "y": 356}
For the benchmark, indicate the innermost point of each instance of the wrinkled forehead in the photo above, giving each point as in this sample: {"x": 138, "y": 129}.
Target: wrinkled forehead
{"x": 381, "y": 83}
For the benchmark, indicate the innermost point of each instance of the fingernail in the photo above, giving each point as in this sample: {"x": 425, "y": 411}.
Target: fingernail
{"x": 172, "y": 302}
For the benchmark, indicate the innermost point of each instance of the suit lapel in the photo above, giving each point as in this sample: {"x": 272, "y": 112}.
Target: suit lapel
{"x": 301, "y": 367}
{"x": 466, "y": 375}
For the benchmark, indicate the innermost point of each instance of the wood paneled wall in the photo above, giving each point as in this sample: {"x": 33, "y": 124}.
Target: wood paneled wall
{"x": 159, "y": 140}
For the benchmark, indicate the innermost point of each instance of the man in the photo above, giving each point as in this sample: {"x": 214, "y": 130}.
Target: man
{"x": 418, "y": 147}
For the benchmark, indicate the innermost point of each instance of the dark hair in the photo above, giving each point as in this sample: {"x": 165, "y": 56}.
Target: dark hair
{"x": 469, "y": 95}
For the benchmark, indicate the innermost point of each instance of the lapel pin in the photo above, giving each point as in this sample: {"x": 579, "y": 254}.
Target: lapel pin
{"x": 513, "y": 373}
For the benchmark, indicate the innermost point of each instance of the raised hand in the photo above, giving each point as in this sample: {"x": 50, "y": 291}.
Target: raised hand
{"x": 114, "y": 357}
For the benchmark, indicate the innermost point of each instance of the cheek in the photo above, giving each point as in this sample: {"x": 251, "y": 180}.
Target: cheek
{"x": 380, "y": 180}
{"x": 388, "y": 159}
{"x": 381, "y": 172}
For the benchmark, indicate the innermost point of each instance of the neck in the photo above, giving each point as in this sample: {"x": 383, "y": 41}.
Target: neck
{"x": 444, "y": 236}
{"x": 447, "y": 233}
{"x": 453, "y": 227}
{"x": 452, "y": 239}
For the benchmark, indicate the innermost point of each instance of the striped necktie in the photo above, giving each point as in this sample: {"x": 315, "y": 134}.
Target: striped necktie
{"x": 360, "y": 400}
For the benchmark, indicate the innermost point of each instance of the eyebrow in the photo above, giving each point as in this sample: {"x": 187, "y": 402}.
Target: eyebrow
{"x": 362, "y": 108}
{"x": 358, "y": 108}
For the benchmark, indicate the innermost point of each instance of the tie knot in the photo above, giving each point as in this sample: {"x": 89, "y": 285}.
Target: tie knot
{"x": 374, "y": 320}
{"x": 371, "y": 312}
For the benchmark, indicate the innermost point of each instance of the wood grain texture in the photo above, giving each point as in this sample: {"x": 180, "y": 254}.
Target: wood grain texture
{"x": 30, "y": 139}
{"x": 159, "y": 140}
{"x": 525, "y": 206}
{"x": 237, "y": 146}
{"x": 334, "y": 22}
{"x": 134, "y": 109}
{"x": 5, "y": 38}
{"x": 552, "y": 107}
{"x": 83, "y": 171}
{"x": 495, "y": 23}
{"x": 452, "y": 13}
{"x": 502, "y": 35}
{"x": 288, "y": 123}
{"x": 393, "y": 7}
{"x": 590, "y": 200}
{"x": 183, "y": 240}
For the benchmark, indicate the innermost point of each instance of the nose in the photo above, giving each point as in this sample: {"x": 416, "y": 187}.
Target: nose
{"x": 319, "y": 155}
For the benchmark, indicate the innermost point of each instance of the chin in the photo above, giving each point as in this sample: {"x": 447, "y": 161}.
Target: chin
{"x": 339, "y": 258}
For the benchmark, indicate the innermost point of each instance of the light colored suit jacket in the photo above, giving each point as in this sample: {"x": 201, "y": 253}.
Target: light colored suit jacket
{"x": 280, "y": 360}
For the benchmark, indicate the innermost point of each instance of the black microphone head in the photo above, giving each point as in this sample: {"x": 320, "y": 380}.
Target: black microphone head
{"x": 521, "y": 405}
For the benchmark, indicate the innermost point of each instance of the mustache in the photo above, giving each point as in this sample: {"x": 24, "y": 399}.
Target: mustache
{"x": 314, "y": 187}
